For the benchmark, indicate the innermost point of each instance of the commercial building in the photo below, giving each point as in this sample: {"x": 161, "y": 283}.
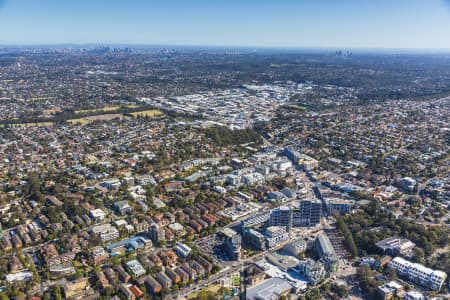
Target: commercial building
{"x": 396, "y": 246}
{"x": 232, "y": 243}
{"x": 131, "y": 244}
{"x": 306, "y": 162}
{"x": 258, "y": 220}
{"x": 313, "y": 270}
{"x": 417, "y": 273}
{"x": 310, "y": 213}
{"x": 275, "y": 235}
{"x": 281, "y": 216}
{"x": 270, "y": 289}
{"x": 326, "y": 252}
{"x": 255, "y": 239}
{"x": 157, "y": 233}
{"x": 254, "y": 274}
{"x": 295, "y": 248}
{"x": 339, "y": 206}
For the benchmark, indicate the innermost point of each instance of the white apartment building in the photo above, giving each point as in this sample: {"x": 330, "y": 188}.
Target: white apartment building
{"x": 432, "y": 279}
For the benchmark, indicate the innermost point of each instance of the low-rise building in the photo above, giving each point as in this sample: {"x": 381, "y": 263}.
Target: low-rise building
{"x": 396, "y": 246}
{"x": 417, "y": 273}
{"x": 275, "y": 235}
{"x": 326, "y": 252}
{"x": 388, "y": 290}
{"x": 232, "y": 243}
{"x": 295, "y": 248}
{"x": 270, "y": 289}
{"x": 314, "y": 271}
{"x": 135, "y": 268}
{"x": 74, "y": 287}
{"x": 164, "y": 280}
{"x": 126, "y": 292}
{"x": 183, "y": 250}
{"x": 152, "y": 284}
{"x": 97, "y": 214}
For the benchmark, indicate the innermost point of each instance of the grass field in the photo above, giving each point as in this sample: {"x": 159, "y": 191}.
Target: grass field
{"x": 89, "y": 119}
{"x": 104, "y": 109}
{"x": 32, "y": 124}
{"x": 81, "y": 121}
{"x": 41, "y": 98}
{"x": 212, "y": 288}
{"x": 297, "y": 107}
{"x": 146, "y": 113}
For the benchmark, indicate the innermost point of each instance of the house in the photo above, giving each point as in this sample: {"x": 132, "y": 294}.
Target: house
{"x": 101, "y": 278}
{"x": 163, "y": 279}
{"x": 123, "y": 275}
{"x": 126, "y": 292}
{"x": 173, "y": 275}
{"x": 205, "y": 264}
{"x": 183, "y": 275}
{"x": 197, "y": 267}
{"x": 152, "y": 284}
{"x": 136, "y": 291}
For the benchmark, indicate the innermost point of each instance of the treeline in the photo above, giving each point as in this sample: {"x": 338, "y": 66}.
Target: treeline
{"x": 348, "y": 236}
{"x": 223, "y": 136}
{"x": 372, "y": 225}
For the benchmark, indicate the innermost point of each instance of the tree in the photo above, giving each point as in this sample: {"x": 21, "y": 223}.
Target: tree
{"x": 341, "y": 290}
{"x": 419, "y": 255}
{"x": 365, "y": 278}
{"x": 349, "y": 241}
{"x": 312, "y": 294}
{"x": 57, "y": 292}
{"x": 3, "y": 296}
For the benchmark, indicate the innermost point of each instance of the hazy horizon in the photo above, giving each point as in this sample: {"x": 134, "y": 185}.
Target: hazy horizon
{"x": 288, "y": 24}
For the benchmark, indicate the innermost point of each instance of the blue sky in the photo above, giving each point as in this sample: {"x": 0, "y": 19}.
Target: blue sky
{"x": 271, "y": 23}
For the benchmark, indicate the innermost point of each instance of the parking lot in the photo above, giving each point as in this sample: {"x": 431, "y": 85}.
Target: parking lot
{"x": 337, "y": 241}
